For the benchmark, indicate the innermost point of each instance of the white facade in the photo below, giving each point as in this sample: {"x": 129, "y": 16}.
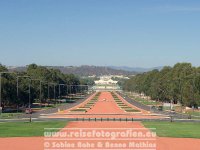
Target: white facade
{"x": 106, "y": 80}
{"x": 106, "y": 83}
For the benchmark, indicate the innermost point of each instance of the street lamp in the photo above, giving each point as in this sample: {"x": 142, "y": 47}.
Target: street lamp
{"x": 83, "y": 88}
{"x": 45, "y": 82}
{"x": 40, "y": 88}
{"x": 54, "y": 84}
{"x": 70, "y": 91}
{"x": 60, "y": 90}
{"x": 71, "y": 87}
{"x": 29, "y": 91}
{"x": 87, "y": 88}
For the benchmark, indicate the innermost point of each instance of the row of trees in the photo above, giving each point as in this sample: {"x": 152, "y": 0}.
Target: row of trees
{"x": 180, "y": 83}
{"x": 37, "y": 74}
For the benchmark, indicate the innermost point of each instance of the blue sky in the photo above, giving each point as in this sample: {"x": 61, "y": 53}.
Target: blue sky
{"x": 142, "y": 33}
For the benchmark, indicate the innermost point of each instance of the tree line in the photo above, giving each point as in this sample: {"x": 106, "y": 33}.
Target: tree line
{"x": 177, "y": 84}
{"x": 39, "y": 77}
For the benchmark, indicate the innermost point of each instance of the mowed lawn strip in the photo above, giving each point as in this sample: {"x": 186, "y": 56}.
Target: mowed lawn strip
{"x": 27, "y": 129}
{"x": 9, "y": 115}
{"x": 175, "y": 129}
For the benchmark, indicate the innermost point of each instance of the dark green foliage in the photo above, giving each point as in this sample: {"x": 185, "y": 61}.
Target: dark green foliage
{"x": 9, "y": 82}
{"x": 180, "y": 83}
{"x": 131, "y": 110}
{"x": 77, "y": 110}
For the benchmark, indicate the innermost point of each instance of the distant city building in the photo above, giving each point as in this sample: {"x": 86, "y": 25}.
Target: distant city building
{"x": 120, "y": 77}
{"x": 93, "y": 76}
{"x": 105, "y": 80}
{"x": 106, "y": 83}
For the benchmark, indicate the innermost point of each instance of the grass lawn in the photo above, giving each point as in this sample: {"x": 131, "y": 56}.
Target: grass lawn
{"x": 26, "y": 129}
{"x": 145, "y": 102}
{"x": 9, "y": 115}
{"x": 131, "y": 110}
{"x": 195, "y": 113}
{"x": 79, "y": 110}
{"x": 50, "y": 106}
{"x": 175, "y": 129}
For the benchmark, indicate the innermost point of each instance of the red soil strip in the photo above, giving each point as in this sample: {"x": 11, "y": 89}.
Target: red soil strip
{"x": 105, "y": 105}
{"x": 22, "y": 143}
{"x": 164, "y": 143}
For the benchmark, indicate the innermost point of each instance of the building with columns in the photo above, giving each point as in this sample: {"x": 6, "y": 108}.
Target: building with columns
{"x": 106, "y": 83}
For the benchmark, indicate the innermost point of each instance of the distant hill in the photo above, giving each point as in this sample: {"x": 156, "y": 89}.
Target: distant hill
{"x": 92, "y": 70}
{"x": 84, "y": 70}
{"x": 135, "y": 69}
{"x": 16, "y": 68}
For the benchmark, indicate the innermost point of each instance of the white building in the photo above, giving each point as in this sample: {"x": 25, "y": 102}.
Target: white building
{"x": 105, "y": 80}
{"x": 106, "y": 83}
